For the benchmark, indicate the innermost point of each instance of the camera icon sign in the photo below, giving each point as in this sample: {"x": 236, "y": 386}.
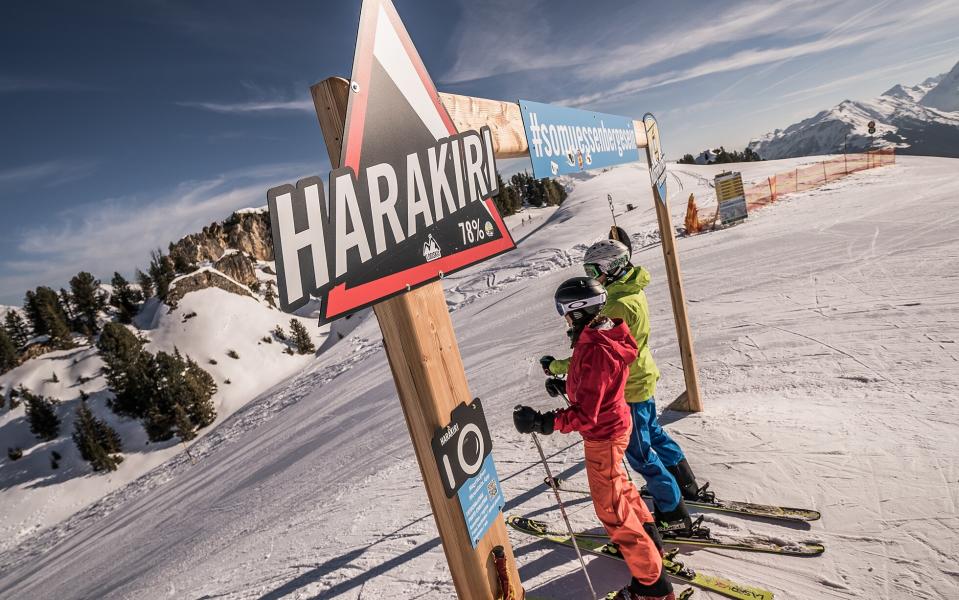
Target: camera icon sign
{"x": 461, "y": 447}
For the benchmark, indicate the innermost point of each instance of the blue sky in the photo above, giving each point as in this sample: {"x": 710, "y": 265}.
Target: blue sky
{"x": 129, "y": 124}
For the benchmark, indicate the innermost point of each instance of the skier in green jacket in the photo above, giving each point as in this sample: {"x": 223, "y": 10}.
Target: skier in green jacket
{"x": 651, "y": 452}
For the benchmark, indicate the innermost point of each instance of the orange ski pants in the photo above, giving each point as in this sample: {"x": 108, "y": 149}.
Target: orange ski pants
{"x": 620, "y": 508}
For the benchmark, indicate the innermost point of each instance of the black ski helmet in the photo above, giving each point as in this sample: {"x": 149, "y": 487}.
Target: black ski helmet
{"x": 581, "y": 298}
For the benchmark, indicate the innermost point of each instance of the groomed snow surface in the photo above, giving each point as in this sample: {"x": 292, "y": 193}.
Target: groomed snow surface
{"x": 826, "y": 334}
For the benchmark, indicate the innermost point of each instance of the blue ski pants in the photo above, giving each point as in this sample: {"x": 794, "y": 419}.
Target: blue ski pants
{"x": 650, "y": 451}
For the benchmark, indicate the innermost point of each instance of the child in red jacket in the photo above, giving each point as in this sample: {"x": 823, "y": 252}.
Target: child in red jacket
{"x": 602, "y": 351}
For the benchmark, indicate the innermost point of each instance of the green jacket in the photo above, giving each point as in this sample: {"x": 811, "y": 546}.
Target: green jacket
{"x": 627, "y": 301}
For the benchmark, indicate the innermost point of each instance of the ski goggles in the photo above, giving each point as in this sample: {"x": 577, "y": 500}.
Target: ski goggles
{"x": 564, "y": 308}
{"x": 592, "y": 270}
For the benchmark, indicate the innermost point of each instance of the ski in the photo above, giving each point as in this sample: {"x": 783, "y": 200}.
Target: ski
{"x": 701, "y": 536}
{"x": 765, "y": 511}
{"x": 676, "y": 569}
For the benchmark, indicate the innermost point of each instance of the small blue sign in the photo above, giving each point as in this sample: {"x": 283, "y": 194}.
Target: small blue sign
{"x": 568, "y": 140}
{"x": 655, "y": 156}
{"x": 481, "y": 499}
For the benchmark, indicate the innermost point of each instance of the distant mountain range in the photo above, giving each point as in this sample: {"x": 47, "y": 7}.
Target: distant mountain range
{"x": 922, "y": 119}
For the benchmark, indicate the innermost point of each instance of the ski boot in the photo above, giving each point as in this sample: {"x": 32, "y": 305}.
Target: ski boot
{"x": 694, "y": 531}
{"x": 676, "y": 522}
{"x": 662, "y": 589}
{"x": 687, "y": 483}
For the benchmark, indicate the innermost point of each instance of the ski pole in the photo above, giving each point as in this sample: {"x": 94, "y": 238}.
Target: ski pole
{"x": 562, "y": 509}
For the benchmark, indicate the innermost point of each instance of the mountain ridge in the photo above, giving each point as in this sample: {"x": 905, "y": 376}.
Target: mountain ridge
{"x": 909, "y": 118}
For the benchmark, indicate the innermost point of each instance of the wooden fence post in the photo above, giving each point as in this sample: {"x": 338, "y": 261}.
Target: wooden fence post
{"x": 430, "y": 379}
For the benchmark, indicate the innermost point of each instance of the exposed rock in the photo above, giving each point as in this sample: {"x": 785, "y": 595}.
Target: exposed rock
{"x": 237, "y": 266}
{"x": 36, "y": 349}
{"x": 247, "y": 231}
{"x": 200, "y": 280}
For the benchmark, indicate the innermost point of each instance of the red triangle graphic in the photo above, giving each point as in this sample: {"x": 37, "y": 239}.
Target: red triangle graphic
{"x": 379, "y": 18}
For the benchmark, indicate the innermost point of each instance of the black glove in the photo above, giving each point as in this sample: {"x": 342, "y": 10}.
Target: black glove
{"x": 529, "y": 420}
{"x": 545, "y": 361}
{"x": 555, "y": 386}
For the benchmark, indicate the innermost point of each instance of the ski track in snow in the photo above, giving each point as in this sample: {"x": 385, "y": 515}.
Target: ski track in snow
{"x": 826, "y": 337}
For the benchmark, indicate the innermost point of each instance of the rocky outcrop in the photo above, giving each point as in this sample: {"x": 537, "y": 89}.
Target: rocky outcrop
{"x": 200, "y": 280}
{"x": 247, "y": 231}
{"x": 237, "y": 266}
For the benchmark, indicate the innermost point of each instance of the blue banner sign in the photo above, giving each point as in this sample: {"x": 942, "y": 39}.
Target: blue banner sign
{"x": 568, "y": 140}
{"x": 481, "y": 499}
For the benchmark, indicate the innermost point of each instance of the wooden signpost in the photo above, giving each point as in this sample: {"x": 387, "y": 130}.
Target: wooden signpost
{"x": 431, "y": 381}
{"x": 375, "y": 236}
{"x": 690, "y": 400}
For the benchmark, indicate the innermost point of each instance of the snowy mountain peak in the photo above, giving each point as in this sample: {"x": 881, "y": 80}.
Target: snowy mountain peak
{"x": 945, "y": 95}
{"x": 921, "y": 119}
{"x": 898, "y": 91}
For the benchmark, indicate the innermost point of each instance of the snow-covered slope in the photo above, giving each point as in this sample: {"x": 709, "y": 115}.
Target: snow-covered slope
{"x": 205, "y": 326}
{"x": 826, "y": 344}
{"x": 915, "y": 120}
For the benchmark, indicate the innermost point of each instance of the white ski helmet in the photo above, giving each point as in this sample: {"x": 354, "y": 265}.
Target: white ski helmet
{"x": 606, "y": 257}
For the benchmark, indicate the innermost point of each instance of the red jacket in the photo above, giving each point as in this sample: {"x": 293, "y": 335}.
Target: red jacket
{"x": 595, "y": 382}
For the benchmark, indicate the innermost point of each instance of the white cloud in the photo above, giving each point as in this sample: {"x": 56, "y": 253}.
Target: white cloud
{"x": 260, "y": 100}
{"x": 118, "y": 234}
{"x": 264, "y": 106}
{"x": 10, "y": 85}
{"x": 50, "y": 174}
{"x": 510, "y": 37}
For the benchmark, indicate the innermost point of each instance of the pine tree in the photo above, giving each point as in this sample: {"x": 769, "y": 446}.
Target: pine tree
{"x": 127, "y": 370}
{"x": 507, "y": 201}
{"x": 146, "y": 284}
{"x": 98, "y": 443}
{"x": 15, "y": 397}
{"x": 185, "y": 429}
{"x": 66, "y": 303}
{"x": 124, "y": 298}
{"x": 87, "y": 301}
{"x": 202, "y": 387}
{"x": 8, "y": 352}
{"x": 16, "y": 328}
{"x": 182, "y": 400}
{"x": 162, "y": 272}
{"x": 40, "y": 307}
{"x": 270, "y": 294}
{"x": 301, "y": 338}
{"x": 31, "y": 307}
{"x": 554, "y": 193}
{"x": 42, "y": 415}
{"x": 56, "y": 326}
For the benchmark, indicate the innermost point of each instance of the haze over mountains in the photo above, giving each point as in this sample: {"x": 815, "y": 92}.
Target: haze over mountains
{"x": 922, "y": 119}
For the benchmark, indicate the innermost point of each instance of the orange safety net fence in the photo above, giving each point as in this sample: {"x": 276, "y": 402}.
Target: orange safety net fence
{"x": 814, "y": 175}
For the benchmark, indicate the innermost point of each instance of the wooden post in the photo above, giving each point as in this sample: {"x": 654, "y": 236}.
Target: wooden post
{"x": 690, "y": 400}
{"x": 431, "y": 381}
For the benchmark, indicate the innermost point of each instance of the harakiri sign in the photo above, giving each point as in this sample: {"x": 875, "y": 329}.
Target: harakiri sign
{"x": 412, "y": 201}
